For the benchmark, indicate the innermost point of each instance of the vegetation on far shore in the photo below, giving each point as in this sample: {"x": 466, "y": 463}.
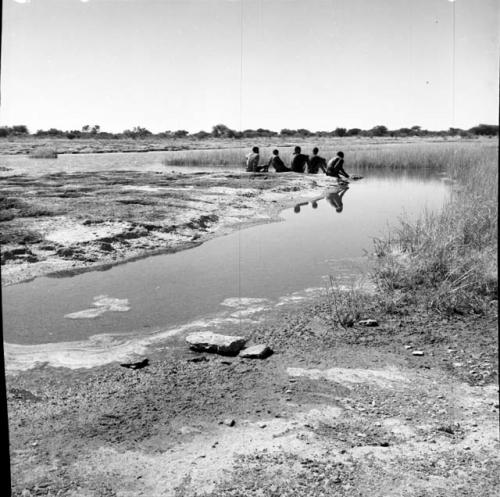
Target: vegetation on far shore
{"x": 223, "y": 131}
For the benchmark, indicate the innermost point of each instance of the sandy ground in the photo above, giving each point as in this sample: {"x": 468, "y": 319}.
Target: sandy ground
{"x": 56, "y": 220}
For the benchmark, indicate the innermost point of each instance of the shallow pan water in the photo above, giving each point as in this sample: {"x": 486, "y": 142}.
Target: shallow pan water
{"x": 265, "y": 261}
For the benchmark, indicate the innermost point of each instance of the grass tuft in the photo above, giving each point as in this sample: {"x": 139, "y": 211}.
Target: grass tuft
{"x": 448, "y": 260}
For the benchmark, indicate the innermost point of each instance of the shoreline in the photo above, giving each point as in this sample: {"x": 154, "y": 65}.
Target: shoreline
{"x": 94, "y": 245}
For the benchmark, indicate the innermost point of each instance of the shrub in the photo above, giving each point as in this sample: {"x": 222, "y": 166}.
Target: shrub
{"x": 43, "y": 153}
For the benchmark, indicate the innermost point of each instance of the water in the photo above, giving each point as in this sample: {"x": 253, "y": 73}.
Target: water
{"x": 266, "y": 261}
{"x": 81, "y": 163}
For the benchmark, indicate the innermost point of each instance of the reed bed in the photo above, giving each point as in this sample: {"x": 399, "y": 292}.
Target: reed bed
{"x": 448, "y": 260}
{"x": 358, "y": 155}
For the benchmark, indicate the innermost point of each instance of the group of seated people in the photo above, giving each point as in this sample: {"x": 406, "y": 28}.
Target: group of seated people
{"x": 301, "y": 163}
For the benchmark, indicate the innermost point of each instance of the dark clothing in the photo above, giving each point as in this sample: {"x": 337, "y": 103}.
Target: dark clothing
{"x": 335, "y": 168}
{"x": 315, "y": 164}
{"x": 299, "y": 162}
{"x": 279, "y": 166}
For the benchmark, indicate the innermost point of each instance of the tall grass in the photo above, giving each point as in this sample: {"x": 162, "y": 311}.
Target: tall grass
{"x": 358, "y": 155}
{"x": 448, "y": 260}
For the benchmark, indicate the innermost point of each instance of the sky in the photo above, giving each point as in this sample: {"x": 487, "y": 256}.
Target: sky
{"x": 191, "y": 64}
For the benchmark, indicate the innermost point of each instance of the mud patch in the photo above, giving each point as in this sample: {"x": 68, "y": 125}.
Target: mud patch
{"x": 382, "y": 378}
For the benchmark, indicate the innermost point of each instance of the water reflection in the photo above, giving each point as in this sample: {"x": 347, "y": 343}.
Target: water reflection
{"x": 333, "y": 196}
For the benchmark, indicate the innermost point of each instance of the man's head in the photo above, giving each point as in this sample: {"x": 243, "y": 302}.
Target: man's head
{"x": 315, "y": 150}
{"x": 340, "y": 154}
{"x": 314, "y": 204}
{"x": 276, "y": 151}
{"x": 339, "y": 209}
{"x": 255, "y": 150}
{"x": 296, "y": 208}
{"x": 297, "y": 150}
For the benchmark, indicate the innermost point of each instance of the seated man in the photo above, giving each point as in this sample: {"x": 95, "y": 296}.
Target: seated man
{"x": 253, "y": 159}
{"x": 316, "y": 163}
{"x": 335, "y": 167}
{"x": 276, "y": 162}
{"x": 299, "y": 161}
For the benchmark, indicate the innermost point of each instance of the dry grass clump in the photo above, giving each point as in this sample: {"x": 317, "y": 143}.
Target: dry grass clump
{"x": 206, "y": 158}
{"x": 43, "y": 153}
{"x": 449, "y": 259}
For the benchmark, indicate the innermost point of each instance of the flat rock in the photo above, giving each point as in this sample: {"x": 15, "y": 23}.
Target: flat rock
{"x": 135, "y": 363}
{"x": 368, "y": 322}
{"x": 256, "y": 352}
{"x": 207, "y": 341}
{"x": 417, "y": 352}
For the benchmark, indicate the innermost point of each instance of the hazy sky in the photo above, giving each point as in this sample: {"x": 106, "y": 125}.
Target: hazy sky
{"x": 190, "y": 64}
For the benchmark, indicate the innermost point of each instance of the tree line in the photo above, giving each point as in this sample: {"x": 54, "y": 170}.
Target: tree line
{"x": 223, "y": 131}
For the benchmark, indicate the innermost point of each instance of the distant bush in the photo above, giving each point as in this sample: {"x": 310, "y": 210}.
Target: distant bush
{"x": 43, "y": 153}
{"x": 17, "y": 130}
{"x": 485, "y": 130}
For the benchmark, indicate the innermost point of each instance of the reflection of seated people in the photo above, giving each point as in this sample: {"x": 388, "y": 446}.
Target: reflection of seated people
{"x": 297, "y": 206}
{"x": 276, "y": 162}
{"x": 335, "y": 198}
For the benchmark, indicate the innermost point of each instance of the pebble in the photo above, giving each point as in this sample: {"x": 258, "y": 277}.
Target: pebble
{"x": 229, "y": 422}
{"x": 368, "y": 322}
{"x": 418, "y": 353}
{"x": 407, "y": 347}
{"x": 262, "y": 425}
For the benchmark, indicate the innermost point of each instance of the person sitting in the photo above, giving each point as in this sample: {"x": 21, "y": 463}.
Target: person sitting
{"x": 253, "y": 159}
{"x": 316, "y": 163}
{"x": 299, "y": 161}
{"x": 335, "y": 167}
{"x": 276, "y": 162}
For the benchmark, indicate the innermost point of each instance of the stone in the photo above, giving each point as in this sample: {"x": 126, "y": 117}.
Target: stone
{"x": 229, "y": 422}
{"x": 198, "y": 359}
{"x": 347, "y": 320}
{"x": 135, "y": 363}
{"x": 368, "y": 322}
{"x": 188, "y": 430}
{"x": 418, "y": 353}
{"x": 256, "y": 352}
{"x": 408, "y": 347}
{"x": 207, "y": 341}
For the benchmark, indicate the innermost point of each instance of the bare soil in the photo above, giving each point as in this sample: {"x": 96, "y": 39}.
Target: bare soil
{"x": 334, "y": 411}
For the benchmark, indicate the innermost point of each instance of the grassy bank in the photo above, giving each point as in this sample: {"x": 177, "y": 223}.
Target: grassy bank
{"x": 447, "y": 261}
